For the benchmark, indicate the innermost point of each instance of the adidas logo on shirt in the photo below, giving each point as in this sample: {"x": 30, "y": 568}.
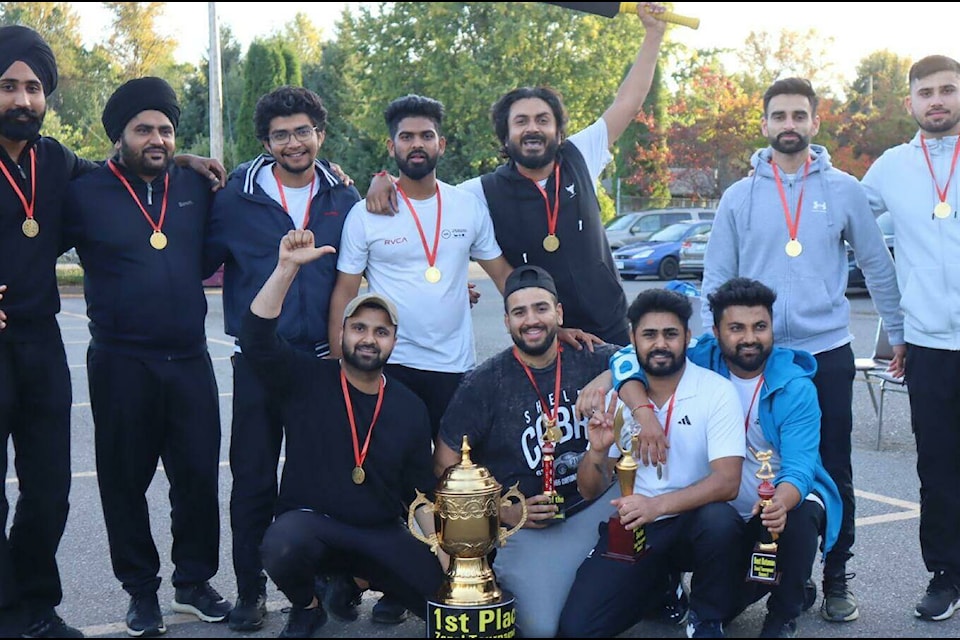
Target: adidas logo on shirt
{"x": 684, "y": 420}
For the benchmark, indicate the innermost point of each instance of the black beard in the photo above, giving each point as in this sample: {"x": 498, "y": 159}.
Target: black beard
{"x": 359, "y": 363}
{"x": 533, "y": 162}
{"x": 790, "y": 147}
{"x": 943, "y": 127}
{"x": 417, "y": 172}
{"x": 663, "y": 371}
{"x": 13, "y": 129}
{"x": 747, "y": 364}
{"x": 537, "y": 350}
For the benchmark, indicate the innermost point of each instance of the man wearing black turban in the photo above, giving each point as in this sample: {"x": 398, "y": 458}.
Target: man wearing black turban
{"x": 138, "y": 225}
{"x": 35, "y": 394}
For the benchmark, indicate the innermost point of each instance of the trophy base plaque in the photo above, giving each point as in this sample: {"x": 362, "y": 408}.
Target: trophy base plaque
{"x": 494, "y": 620}
{"x": 763, "y": 565}
{"x": 557, "y": 499}
{"x": 623, "y": 544}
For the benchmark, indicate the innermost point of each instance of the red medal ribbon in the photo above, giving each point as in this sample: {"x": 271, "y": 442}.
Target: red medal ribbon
{"x": 358, "y": 455}
{"x": 27, "y": 206}
{"x": 666, "y": 425}
{"x": 431, "y": 256}
{"x": 792, "y": 225}
{"x": 552, "y": 216}
{"x": 157, "y": 226}
{"x": 549, "y": 414}
{"x": 283, "y": 198}
{"x": 953, "y": 165}
{"x": 746, "y": 419}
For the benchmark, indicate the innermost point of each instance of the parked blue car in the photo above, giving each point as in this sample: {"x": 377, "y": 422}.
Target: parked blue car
{"x": 660, "y": 254}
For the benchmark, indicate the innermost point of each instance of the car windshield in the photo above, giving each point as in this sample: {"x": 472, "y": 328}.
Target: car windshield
{"x": 621, "y": 222}
{"x": 670, "y": 234}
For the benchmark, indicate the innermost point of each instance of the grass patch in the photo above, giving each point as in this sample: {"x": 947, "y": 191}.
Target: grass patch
{"x": 69, "y": 275}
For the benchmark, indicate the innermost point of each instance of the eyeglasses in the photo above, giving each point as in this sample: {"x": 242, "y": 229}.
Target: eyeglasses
{"x": 283, "y": 136}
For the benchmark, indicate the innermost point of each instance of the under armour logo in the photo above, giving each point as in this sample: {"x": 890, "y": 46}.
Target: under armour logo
{"x": 684, "y": 420}
{"x": 819, "y": 206}
{"x": 572, "y": 190}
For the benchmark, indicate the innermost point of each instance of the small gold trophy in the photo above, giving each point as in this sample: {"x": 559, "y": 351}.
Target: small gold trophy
{"x": 763, "y": 560}
{"x": 551, "y": 436}
{"x": 625, "y": 545}
{"x": 467, "y": 516}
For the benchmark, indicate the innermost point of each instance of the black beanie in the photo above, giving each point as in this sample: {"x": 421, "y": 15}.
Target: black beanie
{"x": 26, "y": 45}
{"x": 134, "y": 96}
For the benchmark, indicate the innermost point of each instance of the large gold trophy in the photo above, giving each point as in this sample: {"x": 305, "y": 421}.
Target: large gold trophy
{"x": 623, "y": 544}
{"x": 467, "y": 517}
{"x": 763, "y": 560}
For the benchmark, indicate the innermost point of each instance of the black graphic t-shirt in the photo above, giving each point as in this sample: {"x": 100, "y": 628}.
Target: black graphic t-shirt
{"x": 499, "y": 410}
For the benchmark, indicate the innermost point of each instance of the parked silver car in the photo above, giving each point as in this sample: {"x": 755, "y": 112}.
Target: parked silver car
{"x": 691, "y": 254}
{"x": 640, "y": 225}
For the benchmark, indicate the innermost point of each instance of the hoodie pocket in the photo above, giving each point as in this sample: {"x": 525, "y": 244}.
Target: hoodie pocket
{"x": 925, "y": 299}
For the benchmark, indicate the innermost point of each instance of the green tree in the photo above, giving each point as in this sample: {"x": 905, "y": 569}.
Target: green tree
{"x": 767, "y": 57}
{"x": 135, "y": 44}
{"x": 468, "y": 54}
{"x": 264, "y": 70}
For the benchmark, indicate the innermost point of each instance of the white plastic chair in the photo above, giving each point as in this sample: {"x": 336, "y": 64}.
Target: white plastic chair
{"x": 874, "y": 371}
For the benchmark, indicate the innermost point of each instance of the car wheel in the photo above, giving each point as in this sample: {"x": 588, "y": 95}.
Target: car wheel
{"x": 669, "y": 268}
{"x": 627, "y": 276}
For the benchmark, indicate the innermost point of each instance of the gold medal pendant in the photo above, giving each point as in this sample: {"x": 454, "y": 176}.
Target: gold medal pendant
{"x": 158, "y": 240}
{"x": 942, "y": 210}
{"x": 793, "y": 248}
{"x": 30, "y": 228}
{"x": 358, "y": 475}
{"x": 551, "y": 243}
{"x": 432, "y": 275}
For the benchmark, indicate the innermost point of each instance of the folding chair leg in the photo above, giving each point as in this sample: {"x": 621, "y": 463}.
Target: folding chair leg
{"x": 873, "y": 397}
{"x": 883, "y": 388}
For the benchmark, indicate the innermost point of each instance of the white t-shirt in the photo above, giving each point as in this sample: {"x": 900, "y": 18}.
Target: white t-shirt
{"x": 298, "y": 198}
{"x": 591, "y": 142}
{"x": 756, "y": 441}
{"x": 706, "y": 424}
{"x": 435, "y": 331}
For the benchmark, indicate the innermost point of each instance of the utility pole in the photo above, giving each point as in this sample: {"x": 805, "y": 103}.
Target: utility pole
{"x": 216, "y": 87}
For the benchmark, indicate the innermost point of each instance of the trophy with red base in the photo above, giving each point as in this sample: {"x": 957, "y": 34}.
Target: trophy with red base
{"x": 763, "y": 560}
{"x": 623, "y": 544}
{"x": 551, "y": 436}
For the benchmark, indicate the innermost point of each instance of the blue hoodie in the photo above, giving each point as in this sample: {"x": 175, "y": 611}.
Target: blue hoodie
{"x": 789, "y": 416}
{"x": 748, "y": 239}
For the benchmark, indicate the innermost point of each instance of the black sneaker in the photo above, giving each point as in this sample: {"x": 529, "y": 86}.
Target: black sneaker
{"x": 809, "y": 594}
{"x": 203, "y": 601}
{"x": 388, "y": 610}
{"x": 143, "y": 616}
{"x": 838, "y": 604}
{"x": 342, "y": 597}
{"x": 697, "y": 628}
{"x": 304, "y": 623}
{"x": 941, "y": 600}
{"x": 676, "y": 604}
{"x": 248, "y": 613}
{"x": 51, "y": 626}
{"x": 775, "y": 626}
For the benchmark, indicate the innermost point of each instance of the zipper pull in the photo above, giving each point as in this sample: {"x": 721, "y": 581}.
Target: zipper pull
{"x": 149, "y": 193}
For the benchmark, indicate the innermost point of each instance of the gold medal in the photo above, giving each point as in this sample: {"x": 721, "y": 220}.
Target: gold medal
{"x": 358, "y": 475}
{"x": 432, "y": 275}
{"x": 942, "y": 210}
{"x": 30, "y": 228}
{"x": 793, "y": 248}
{"x": 551, "y": 243}
{"x": 158, "y": 240}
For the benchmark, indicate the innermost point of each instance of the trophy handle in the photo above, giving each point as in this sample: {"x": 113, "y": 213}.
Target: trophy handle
{"x": 432, "y": 541}
{"x": 618, "y": 423}
{"x": 514, "y": 492}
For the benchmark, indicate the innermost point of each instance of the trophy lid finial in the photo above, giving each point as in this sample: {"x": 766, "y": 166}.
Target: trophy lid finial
{"x": 465, "y": 452}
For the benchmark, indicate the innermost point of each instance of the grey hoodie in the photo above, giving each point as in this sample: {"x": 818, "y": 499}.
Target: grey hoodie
{"x": 748, "y": 239}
